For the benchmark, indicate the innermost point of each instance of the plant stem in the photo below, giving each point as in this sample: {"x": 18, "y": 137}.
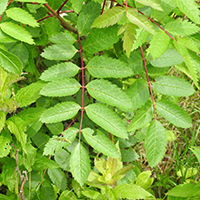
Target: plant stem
{"x": 63, "y": 22}
{"x": 59, "y": 9}
{"x": 83, "y": 85}
{"x": 104, "y": 3}
{"x": 150, "y": 88}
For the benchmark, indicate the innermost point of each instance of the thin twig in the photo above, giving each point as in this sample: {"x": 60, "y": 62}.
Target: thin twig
{"x": 59, "y": 9}
{"x": 104, "y": 3}
{"x": 150, "y": 89}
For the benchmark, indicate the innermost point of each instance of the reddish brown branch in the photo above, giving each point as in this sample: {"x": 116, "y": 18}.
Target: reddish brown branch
{"x": 104, "y": 3}
{"x": 59, "y": 9}
{"x": 150, "y": 88}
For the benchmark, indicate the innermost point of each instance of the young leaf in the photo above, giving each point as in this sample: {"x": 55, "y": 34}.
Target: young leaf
{"x": 100, "y": 39}
{"x": 80, "y": 164}
{"x": 58, "y": 178}
{"x": 20, "y": 15}
{"x": 172, "y": 86}
{"x": 17, "y": 32}
{"x": 158, "y": 44}
{"x": 169, "y": 58}
{"x": 142, "y": 117}
{"x": 189, "y": 8}
{"x": 62, "y": 37}
{"x": 106, "y": 67}
{"x": 155, "y": 143}
{"x": 174, "y": 114}
{"x": 181, "y": 28}
{"x": 131, "y": 191}
{"x": 153, "y": 3}
{"x": 129, "y": 38}
{"x": 139, "y": 20}
{"x": 109, "y": 17}
{"x": 107, "y": 119}
{"x": 88, "y": 14}
{"x": 61, "y": 88}
{"x": 109, "y": 93}
{"x": 10, "y": 62}
{"x": 100, "y": 142}
{"x": 139, "y": 93}
{"x": 29, "y": 94}
{"x": 60, "y": 112}
{"x": 17, "y": 127}
{"x": 59, "y": 52}
{"x": 60, "y": 71}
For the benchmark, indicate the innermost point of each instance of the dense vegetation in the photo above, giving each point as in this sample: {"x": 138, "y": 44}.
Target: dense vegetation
{"x": 99, "y": 99}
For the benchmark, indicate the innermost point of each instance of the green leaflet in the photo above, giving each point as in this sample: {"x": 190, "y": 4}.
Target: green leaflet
{"x": 107, "y": 119}
{"x": 129, "y": 38}
{"x": 109, "y": 17}
{"x": 59, "y": 52}
{"x": 56, "y": 144}
{"x": 61, "y": 88}
{"x": 52, "y": 26}
{"x": 100, "y": 142}
{"x": 2, "y": 119}
{"x": 100, "y": 39}
{"x": 5, "y": 139}
{"x": 3, "y": 5}
{"x": 189, "y": 8}
{"x": 17, "y": 127}
{"x": 88, "y": 14}
{"x": 153, "y": 3}
{"x": 6, "y": 38}
{"x": 139, "y": 20}
{"x": 55, "y": 4}
{"x": 62, "y": 158}
{"x": 174, "y": 114}
{"x": 106, "y": 67}
{"x": 55, "y": 128}
{"x": 141, "y": 37}
{"x": 131, "y": 191}
{"x": 17, "y": 32}
{"x": 172, "y": 86}
{"x": 10, "y": 62}
{"x": 109, "y": 93}
{"x": 60, "y": 112}
{"x": 62, "y": 37}
{"x": 58, "y": 178}
{"x": 158, "y": 44}
{"x": 29, "y": 94}
{"x": 47, "y": 191}
{"x": 80, "y": 164}
{"x": 77, "y": 5}
{"x": 20, "y": 15}
{"x": 169, "y": 58}
{"x": 60, "y": 71}
{"x": 139, "y": 93}
{"x": 196, "y": 151}
{"x": 181, "y": 28}
{"x": 155, "y": 143}
{"x": 142, "y": 117}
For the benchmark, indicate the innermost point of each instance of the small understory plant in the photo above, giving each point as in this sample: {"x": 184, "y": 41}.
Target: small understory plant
{"x": 86, "y": 86}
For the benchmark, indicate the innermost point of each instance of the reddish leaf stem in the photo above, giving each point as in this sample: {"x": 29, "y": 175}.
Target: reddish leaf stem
{"x": 150, "y": 89}
{"x": 83, "y": 85}
{"x": 104, "y": 3}
{"x": 59, "y": 9}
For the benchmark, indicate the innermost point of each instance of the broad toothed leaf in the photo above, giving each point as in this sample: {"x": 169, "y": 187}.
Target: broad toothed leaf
{"x": 174, "y": 114}
{"x": 155, "y": 143}
{"x": 80, "y": 164}
{"x": 109, "y": 17}
{"x": 61, "y": 88}
{"x": 109, "y": 93}
{"x": 106, "y": 67}
{"x": 107, "y": 119}
{"x": 173, "y": 86}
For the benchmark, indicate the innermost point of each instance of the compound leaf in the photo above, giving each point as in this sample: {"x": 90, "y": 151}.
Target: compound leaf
{"x": 100, "y": 142}
{"x": 17, "y": 32}
{"x": 60, "y": 112}
{"x": 155, "y": 143}
{"x": 174, "y": 114}
{"x": 109, "y": 17}
{"x": 80, "y": 164}
{"x": 106, "y": 67}
{"x": 172, "y": 86}
{"x": 107, "y": 119}
{"x": 109, "y": 93}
